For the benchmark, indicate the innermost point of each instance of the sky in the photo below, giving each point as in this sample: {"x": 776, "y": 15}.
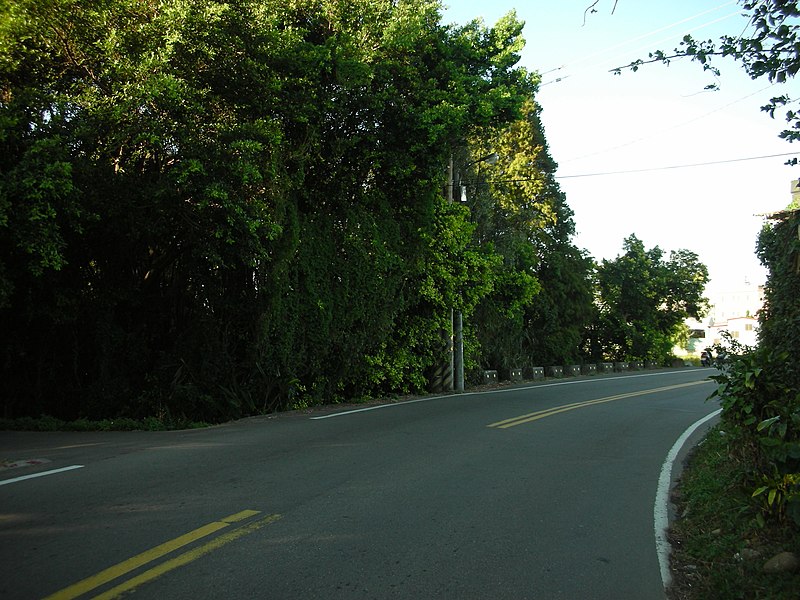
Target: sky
{"x": 617, "y": 138}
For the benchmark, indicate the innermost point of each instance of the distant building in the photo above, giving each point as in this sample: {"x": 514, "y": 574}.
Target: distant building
{"x": 742, "y": 302}
{"x": 734, "y": 311}
{"x": 742, "y": 329}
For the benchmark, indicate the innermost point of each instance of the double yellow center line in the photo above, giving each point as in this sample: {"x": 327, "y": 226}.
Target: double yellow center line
{"x": 541, "y": 414}
{"x": 108, "y": 575}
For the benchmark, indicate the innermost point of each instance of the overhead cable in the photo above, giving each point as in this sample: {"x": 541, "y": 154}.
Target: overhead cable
{"x": 685, "y": 166}
{"x": 606, "y": 51}
{"x": 667, "y": 129}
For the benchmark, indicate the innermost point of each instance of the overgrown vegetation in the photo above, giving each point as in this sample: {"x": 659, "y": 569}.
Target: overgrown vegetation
{"x": 742, "y": 491}
{"x": 216, "y": 209}
{"x": 719, "y": 546}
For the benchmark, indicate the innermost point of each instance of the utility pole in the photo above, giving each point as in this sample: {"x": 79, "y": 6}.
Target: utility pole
{"x": 456, "y": 341}
{"x": 458, "y": 331}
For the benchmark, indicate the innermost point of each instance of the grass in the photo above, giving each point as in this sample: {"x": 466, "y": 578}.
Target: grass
{"x": 718, "y": 546}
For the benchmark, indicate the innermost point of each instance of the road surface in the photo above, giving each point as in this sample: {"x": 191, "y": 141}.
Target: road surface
{"x": 536, "y": 491}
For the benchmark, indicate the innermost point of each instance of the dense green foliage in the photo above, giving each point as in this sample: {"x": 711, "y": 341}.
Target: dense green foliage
{"x": 779, "y": 251}
{"x": 211, "y": 209}
{"x": 541, "y": 298}
{"x": 760, "y": 389}
{"x": 643, "y": 302}
{"x": 718, "y": 548}
{"x": 215, "y": 209}
{"x": 779, "y": 426}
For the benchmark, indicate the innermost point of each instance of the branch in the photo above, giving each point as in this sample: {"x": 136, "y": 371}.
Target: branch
{"x": 661, "y": 57}
{"x": 591, "y": 8}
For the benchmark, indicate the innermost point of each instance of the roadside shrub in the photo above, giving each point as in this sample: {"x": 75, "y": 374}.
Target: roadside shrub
{"x": 762, "y": 412}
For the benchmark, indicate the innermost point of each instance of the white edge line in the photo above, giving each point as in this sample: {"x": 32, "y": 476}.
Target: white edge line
{"x": 661, "y": 507}
{"x": 42, "y": 474}
{"x": 379, "y": 406}
{"x": 501, "y": 391}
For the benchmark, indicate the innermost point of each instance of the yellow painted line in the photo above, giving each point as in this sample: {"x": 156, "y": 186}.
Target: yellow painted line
{"x": 185, "y": 558}
{"x": 541, "y": 414}
{"x": 90, "y": 583}
{"x": 240, "y": 516}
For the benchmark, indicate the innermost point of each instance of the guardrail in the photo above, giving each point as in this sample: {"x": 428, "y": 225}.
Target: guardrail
{"x": 531, "y": 373}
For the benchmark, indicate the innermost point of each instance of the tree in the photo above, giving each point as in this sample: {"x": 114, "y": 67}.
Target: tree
{"x": 541, "y": 295}
{"x": 560, "y": 314}
{"x": 644, "y": 299}
{"x": 214, "y": 209}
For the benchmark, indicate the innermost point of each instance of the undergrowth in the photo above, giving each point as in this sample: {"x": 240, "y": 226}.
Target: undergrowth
{"x": 719, "y": 542}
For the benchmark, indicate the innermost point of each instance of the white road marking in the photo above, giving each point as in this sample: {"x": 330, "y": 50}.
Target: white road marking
{"x": 42, "y": 474}
{"x": 661, "y": 507}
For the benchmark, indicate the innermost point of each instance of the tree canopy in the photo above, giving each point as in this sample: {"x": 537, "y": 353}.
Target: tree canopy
{"x": 215, "y": 209}
{"x": 644, "y": 300}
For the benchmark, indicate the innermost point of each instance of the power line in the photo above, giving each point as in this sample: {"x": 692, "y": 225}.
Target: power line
{"x": 628, "y": 171}
{"x": 655, "y": 31}
{"x": 619, "y": 45}
{"x": 604, "y": 62}
{"x": 667, "y": 129}
{"x": 686, "y": 166}
{"x": 473, "y": 182}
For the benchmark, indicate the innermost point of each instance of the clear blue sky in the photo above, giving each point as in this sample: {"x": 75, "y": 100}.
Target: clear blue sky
{"x": 596, "y": 122}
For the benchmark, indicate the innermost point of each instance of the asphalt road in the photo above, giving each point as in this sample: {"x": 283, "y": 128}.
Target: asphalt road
{"x": 539, "y": 491}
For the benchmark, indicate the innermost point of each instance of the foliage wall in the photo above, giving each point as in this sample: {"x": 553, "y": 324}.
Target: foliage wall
{"x": 210, "y": 210}
{"x": 759, "y": 388}
{"x": 779, "y": 321}
{"x": 215, "y": 209}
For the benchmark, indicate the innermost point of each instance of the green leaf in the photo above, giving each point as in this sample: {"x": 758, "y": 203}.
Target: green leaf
{"x": 767, "y": 422}
{"x": 773, "y": 493}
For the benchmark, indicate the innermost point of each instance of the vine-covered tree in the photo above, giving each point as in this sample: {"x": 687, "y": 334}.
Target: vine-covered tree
{"x": 532, "y": 227}
{"x": 211, "y": 209}
{"x": 779, "y": 320}
{"x": 541, "y": 294}
{"x": 561, "y": 313}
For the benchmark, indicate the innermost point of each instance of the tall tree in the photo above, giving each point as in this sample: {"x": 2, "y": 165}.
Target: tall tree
{"x": 644, "y": 299}
{"x": 541, "y": 296}
{"x": 211, "y": 209}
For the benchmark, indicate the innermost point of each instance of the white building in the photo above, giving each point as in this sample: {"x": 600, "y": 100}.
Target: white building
{"x": 744, "y": 301}
{"x": 742, "y": 329}
{"x": 734, "y": 311}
